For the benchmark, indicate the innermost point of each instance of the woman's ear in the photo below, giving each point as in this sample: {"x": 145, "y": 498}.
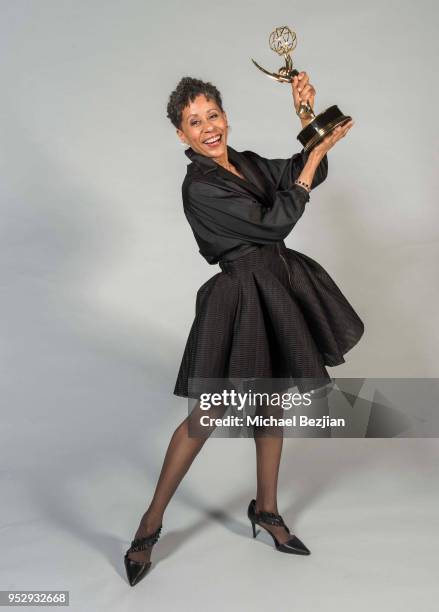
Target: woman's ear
{"x": 181, "y": 136}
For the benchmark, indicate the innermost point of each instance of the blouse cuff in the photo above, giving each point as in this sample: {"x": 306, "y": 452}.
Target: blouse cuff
{"x": 303, "y": 189}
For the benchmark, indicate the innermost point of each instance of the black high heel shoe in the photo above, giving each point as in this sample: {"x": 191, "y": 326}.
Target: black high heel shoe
{"x": 136, "y": 570}
{"x": 293, "y": 545}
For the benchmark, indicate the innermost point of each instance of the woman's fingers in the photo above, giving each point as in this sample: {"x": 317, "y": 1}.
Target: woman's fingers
{"x": 339, "y": 132}
{"x": 303, "y": 86}
{"x": 296, "y": 95}
{"x": 345, "y": 128}
{"x": 303, "y": 91}
{"x": 300, "y": 82}
{"x": 303, "y": 80}
{"x": 307, "y": 92}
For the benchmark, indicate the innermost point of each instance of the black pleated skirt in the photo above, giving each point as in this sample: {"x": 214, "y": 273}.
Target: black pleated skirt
{"x": 273, "y": 313}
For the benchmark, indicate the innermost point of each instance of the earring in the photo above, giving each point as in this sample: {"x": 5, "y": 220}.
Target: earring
{"x": 184, "y": 144}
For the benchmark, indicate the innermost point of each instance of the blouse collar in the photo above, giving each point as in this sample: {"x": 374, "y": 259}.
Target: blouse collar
{"x": 255, "y": 182}
{"x": 207, "y": 164}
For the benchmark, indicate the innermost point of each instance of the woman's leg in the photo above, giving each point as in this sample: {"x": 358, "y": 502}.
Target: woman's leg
{"x": 269, "y": 443}
{"x": 185, "y": 444}
{"x": 268, "y": 455}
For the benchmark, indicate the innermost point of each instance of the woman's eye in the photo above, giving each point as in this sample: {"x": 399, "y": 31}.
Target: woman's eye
{"x": 214, "y": 116}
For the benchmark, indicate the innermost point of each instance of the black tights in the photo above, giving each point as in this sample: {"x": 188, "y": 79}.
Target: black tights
{"x": 184, "y": 446}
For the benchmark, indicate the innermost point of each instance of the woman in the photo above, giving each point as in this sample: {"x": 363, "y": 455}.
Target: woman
{"x": 270, "y": 312}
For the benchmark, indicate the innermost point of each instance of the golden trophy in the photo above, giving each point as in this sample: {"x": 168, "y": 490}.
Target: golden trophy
{"x": 282, "y": 40}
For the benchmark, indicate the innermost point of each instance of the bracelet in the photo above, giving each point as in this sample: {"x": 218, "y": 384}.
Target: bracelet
{"x": 303, "y": 184}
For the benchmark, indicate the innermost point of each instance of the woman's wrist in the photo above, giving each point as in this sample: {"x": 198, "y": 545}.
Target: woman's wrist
{"x": 315, "y": 157}
{"x": 309, "y": 169}
{"x": 303, "y": 184}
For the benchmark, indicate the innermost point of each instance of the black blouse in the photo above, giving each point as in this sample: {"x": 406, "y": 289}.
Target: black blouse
{"x": 230, "y": 216}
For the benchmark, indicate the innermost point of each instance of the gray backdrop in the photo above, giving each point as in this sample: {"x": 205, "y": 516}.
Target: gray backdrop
{"x": 100, "y": 271}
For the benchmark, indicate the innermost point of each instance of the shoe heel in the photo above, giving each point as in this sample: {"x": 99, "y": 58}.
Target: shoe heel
{"x": 254, "y": 529}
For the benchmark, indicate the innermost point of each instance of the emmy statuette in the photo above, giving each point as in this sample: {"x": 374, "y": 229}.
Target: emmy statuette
{"x": 282, "y": 40}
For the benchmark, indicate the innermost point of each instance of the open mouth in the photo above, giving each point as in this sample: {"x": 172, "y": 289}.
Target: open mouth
{"x": 214, "y": 141}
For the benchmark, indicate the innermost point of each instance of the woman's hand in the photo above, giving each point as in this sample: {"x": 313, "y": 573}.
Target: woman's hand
{"x": 329, "y": 141}
{"x": 303, "y": 92}
{"x": 318, "y": 152}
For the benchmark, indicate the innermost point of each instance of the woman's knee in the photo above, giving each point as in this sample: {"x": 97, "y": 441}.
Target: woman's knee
{"x": 201, "y": 426}
{"x": 268, "y": 424}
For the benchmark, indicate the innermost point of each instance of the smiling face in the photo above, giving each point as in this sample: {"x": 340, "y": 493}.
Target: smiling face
{"x": 204, "y": 127}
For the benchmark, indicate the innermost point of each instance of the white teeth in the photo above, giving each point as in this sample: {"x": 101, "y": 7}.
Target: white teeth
{"x": 214, "y": 139}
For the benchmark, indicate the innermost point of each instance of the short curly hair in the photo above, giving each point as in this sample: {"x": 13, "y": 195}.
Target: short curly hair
{"x": 186, "y": 91}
